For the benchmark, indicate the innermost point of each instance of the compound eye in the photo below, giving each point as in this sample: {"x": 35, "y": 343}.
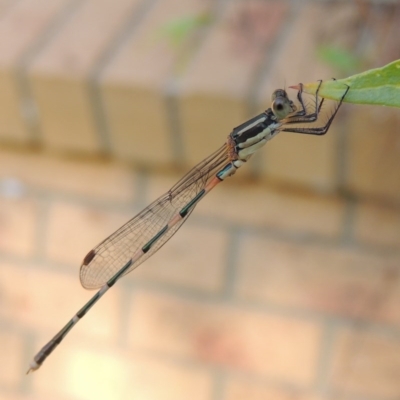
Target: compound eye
{"x": 281, "y": 107}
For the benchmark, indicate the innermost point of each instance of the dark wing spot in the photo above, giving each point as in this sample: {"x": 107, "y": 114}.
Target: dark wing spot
{"x": 89, "y": 257}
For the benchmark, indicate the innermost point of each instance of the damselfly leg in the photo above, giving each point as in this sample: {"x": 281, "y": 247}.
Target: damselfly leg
{"x": 303, "y": 116}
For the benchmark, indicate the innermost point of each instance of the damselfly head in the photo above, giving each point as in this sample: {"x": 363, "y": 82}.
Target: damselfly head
{"x": 282, "y": 106}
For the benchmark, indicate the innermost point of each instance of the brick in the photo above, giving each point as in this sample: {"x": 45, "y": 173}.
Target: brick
{"x": 215, "y": 89}
{"x": 25, "y": 22}
{"x": 84, "y": 372}
{"x": 296, "y": 60}
{"x": 331, "y": 280}
{"x": 374, "y": 153}
{"x": 384, "y": 29}
{"x": 134, "y": 85}
{"x": 377, "y": 225}
{"x": 5, "y": 6}
{"x": 12, "y": 356}
{"x": 18, "y": 223}
{"x": 44, "y": 301}
{"x": 195, "y": 258}
{"x": 73, "y": 230}
{"x": 298, "y": 159}
{"x": 15, "y": 396}
{"x": 265, "y": 207}
{"x": 367, "y": 364}
{"x": 237, "y": 389}
{"x": 28, "y": 396}
{"x": 60, "y": 73}
{"x": 313, "y": 167}
{"x": 269, "y": 345}
{"x": 98, "y": 180}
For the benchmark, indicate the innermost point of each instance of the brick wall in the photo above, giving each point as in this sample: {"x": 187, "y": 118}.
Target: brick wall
{"x": 284, "y": 282}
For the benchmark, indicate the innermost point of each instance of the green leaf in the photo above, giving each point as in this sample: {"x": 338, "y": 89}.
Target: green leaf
{"x": 380, "y": 86}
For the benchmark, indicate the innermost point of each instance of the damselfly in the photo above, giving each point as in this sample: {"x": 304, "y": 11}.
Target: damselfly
{"x": 148, "y": 231}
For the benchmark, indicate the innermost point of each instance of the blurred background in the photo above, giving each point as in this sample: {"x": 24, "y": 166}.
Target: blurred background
{"x": 284, "y": 284}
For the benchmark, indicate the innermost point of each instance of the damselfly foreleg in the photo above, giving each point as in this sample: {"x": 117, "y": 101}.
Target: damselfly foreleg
{"x": 301, "y": 115}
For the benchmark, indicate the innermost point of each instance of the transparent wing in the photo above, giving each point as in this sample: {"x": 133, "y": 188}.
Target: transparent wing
{"x": 107, "y": 258}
